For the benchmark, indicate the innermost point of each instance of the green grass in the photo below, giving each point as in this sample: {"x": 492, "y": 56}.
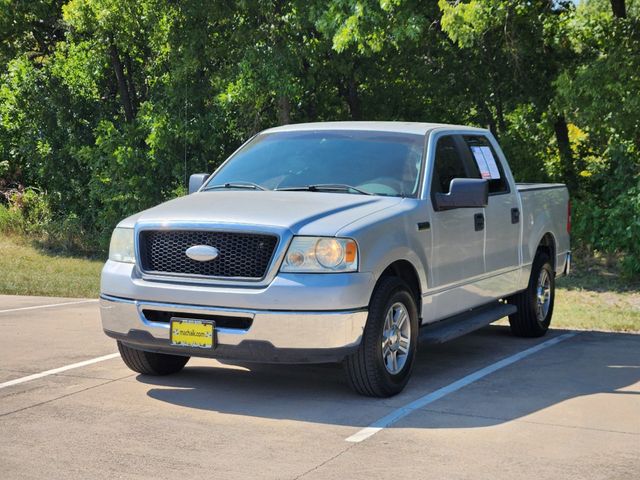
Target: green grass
{"x": 594, "y": 297}
{"x": 27, "y": 270}
{"x": 596, "y": 310}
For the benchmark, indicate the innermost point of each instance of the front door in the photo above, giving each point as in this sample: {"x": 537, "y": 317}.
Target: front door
{"x": 457, "y": 253}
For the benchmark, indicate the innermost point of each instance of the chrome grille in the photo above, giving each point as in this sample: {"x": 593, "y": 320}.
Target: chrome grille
{"x": 240, "y": 255}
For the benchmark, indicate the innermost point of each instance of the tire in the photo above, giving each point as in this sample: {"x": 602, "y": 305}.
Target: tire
{"x": 150, "y": 363}
{"x": 532, "y": 318}
{"x": 371, "y": 370}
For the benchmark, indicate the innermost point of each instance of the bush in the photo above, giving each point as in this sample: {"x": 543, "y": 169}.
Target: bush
{"x": 11, "y": 220}
{"x": 611, "y": 226}
{"x": 28, "y": 213}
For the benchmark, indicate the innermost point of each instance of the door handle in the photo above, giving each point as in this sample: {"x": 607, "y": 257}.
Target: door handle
{"x": 515, "y": 215}
{"x": 478, "y": 221}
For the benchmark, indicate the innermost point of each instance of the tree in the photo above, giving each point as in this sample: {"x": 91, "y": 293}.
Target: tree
{"x": 108, "y": 105}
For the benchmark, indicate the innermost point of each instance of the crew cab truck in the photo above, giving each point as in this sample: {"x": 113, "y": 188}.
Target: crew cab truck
{"x": 337, "y": 242}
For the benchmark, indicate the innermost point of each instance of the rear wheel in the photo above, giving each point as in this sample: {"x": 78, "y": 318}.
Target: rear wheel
{"x": 382, "y": 364}
{"x": 151, "y": 363}
{"x": 535, "y": 304}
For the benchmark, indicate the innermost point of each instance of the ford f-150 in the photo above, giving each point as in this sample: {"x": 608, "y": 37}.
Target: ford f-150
{"x": 337, "y": 242}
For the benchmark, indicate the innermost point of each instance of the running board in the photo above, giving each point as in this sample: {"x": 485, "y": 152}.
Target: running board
{"x": 463, "y": 323}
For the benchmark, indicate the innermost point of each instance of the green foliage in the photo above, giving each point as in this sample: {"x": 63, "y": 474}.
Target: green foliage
{"x": 109, "y": 105}
{"x": 29, "y": 214}
{"x": 11, "y": 221}
{"x": 608, "y": 220}
{"x": 524, "y": 128}
{"x": 601, "y": 94}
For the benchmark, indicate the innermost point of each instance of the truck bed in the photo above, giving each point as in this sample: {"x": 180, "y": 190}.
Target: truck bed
{"x": 544, "y": 208}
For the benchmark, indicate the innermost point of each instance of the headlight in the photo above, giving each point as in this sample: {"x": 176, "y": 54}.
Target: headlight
{"x": 121, "y": 247}
{"x": 321, "y": 254}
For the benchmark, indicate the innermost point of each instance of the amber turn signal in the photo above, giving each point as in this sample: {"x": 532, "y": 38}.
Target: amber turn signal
{"x": 350, "y": 251}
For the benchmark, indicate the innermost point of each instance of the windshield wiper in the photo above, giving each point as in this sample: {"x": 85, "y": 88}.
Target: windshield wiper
{"x": 326, "y": 187}
{"x": 247, "y": 185}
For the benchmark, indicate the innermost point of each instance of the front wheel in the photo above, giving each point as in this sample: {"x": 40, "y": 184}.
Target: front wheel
{"x": 535, "y": 304}
{"x": 382, "y": 364}
{"x": 150, "y": 363}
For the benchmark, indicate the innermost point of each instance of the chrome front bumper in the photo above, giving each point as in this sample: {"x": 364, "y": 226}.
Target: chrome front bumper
{"x": 274, "y": 336}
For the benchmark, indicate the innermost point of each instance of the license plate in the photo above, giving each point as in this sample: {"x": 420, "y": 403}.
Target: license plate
{"x": 192, "y": 333}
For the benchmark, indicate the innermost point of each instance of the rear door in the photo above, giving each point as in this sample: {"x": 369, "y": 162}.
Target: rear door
{"x": 502, "y": 215}
{"x": 456, "y": 256}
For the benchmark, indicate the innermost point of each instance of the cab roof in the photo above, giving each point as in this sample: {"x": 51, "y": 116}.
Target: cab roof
{"x": 416, "y": 128}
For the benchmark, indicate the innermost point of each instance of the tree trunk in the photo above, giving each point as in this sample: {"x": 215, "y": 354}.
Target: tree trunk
{"x": 619, "y": 8}
{"x": 502, "y": 126}
{"x": 353, "y": 100}
{"x": 564, "y": 149}
{"x": 490, "y": 121}
{"x": 311, "y": 110}
{"x": 122, "y": 82}
{"x": 310, "y": 102}
{"x": 284, "y": 110}
{"x": 132, "y": 89}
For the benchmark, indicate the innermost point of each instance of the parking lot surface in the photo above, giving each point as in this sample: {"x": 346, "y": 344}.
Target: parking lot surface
{"x": 568, "y": 410}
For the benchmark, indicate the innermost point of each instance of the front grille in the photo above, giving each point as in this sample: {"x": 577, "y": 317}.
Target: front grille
{"x": 242, "y": 255}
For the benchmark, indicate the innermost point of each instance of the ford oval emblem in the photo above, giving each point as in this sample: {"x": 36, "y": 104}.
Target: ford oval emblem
{"x": 202, "y": 253}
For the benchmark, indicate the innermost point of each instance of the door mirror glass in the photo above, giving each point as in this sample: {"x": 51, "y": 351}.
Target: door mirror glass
{"x": 196, "y": 181}
{"x": 464, "y": 193}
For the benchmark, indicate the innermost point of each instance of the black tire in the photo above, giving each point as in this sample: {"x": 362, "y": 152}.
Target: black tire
{"x": 529, "y": 321}
{"x": 365, "y": 369}
{"x": 150, "y": 363}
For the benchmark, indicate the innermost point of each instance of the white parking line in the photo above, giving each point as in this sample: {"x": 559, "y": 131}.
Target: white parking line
{"x": 58, "y": 370}
{"x": 405, "y": 410}
{"x": 77, "y": 302}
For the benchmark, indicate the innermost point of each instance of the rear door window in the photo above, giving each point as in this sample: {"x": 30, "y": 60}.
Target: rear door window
{"x": 481, "y": 154}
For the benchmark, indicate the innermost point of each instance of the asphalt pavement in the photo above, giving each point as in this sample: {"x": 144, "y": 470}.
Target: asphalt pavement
{"x": 487, "y": 405}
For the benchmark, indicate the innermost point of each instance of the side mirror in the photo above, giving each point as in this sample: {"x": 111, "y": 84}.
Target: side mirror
{"x": 196, "y": 181}
{"x": 464, "y": 193}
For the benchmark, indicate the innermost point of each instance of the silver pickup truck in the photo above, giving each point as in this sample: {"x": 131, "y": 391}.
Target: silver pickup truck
{"x": 337, "y": 242}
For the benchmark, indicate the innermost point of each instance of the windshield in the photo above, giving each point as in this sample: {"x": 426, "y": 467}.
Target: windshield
{"x": 380, "y": 163}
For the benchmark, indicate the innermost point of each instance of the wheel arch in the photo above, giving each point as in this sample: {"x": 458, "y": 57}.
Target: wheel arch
{"x": 406, "y": 271}
{"x": 549, "y": 245}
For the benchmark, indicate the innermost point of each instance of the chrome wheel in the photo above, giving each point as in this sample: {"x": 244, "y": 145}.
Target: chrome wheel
{"x": 396, "y": 338}
{"x": 543, "y": 295}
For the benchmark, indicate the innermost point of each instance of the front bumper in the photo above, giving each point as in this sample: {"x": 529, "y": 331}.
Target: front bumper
{"x": 273, "y": 336}
{"x": 287, "y": 291}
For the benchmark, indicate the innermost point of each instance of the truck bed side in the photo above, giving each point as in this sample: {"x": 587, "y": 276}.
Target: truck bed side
{"x": 544, "y": 211}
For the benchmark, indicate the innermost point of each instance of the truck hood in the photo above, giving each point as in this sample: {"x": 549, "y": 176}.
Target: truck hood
{"x": 303, "y": 213}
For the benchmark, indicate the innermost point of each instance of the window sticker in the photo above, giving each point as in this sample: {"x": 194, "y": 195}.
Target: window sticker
{"x": 482, "y": 165}
{"x": 486, "y": 163}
